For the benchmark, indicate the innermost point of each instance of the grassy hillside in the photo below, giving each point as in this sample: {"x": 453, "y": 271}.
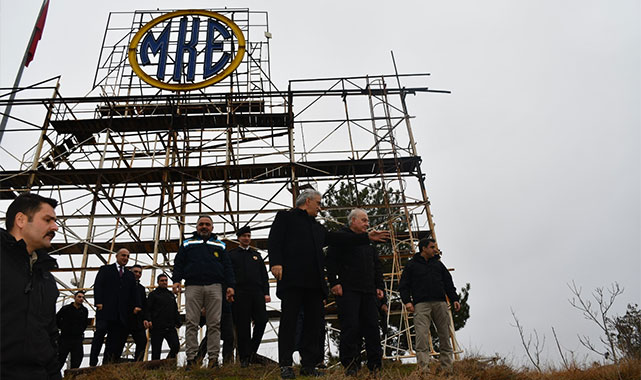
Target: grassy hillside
{"x": 468, "y": 369}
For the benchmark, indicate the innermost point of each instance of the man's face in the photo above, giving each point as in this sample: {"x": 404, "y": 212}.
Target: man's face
{"x": 360, "y": 223}
{"x": 79, "y": 298}
{"x": 137, "y": 273}
{"x": 40, "y": 230}
{"x": 204, "y": 227}
{"x": 430, "y": 251}
{"x": 313, "y": 205}
{"x": 122, "y": 257}
{"x": 245, "y": 239}
{"x": 163, "y": 282}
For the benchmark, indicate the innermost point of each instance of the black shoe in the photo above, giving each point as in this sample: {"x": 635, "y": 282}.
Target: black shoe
{"x": 244, "y": 363}
{"x": 287, "y": 373}
{"x": 311, "y": 371}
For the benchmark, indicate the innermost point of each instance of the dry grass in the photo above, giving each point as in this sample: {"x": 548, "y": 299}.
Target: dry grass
{"x": 468, "y": 369}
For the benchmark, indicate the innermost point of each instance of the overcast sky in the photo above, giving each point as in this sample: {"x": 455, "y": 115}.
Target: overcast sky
{"x": 532, "y": 163}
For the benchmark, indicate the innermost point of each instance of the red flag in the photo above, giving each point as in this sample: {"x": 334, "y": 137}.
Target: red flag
{"x": 37, "y": 33}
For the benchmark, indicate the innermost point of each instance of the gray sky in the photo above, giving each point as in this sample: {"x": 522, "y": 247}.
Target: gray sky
{"x": 532, "y": 163}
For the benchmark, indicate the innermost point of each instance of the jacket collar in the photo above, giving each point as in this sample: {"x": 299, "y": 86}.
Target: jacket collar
{"x": 9, "y": 241}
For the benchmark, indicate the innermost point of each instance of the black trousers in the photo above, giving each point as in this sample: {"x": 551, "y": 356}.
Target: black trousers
{"x": 117, "y": 333}
{"x": 292, "y": 300}
{"x": 97, "y": 341}
{"x": 157, "y": 336}
{"x": 140, "y": 339}
{"x": 249, "y": 306}
{"x": 358, "y": 318}
{"x": 70, "y": 345}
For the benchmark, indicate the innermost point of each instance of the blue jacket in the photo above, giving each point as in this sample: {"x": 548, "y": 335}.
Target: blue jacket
{"x": 201, "y": 262}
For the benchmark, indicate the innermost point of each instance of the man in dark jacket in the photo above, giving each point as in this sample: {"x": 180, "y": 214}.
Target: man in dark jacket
{"x": 205, "y": 266}
{"x": 162, "y": 319}
{"x": 28, "y": 291}
{"x": 295, "y": 246}
{"x": 252, "y": 293}
{"x": 116, "y": 298}
{"x": 135, "y": 325}
{"x": 356, "y": 279}
{"x": 424, "y": 285}
{"x": 72, "y": 321}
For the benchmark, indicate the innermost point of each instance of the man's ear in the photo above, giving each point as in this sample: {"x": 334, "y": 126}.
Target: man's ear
{"x": 21, "y": 220}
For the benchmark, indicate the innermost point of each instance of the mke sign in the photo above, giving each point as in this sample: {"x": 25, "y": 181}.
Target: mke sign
{"x": 186, "y": 50}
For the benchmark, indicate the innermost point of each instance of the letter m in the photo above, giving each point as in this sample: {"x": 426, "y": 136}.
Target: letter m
{"x": 160, "y": 45}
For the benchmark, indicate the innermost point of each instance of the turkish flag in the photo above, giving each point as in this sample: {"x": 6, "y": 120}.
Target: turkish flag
{"x": 37, "y": 34}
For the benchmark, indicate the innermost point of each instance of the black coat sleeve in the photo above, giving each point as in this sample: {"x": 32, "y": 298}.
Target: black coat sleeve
{"x": 448, "y": 283}
{"x": 405, "y": 285}
{"x": 341, "y": 238}
{"x": 276, "y": 243}
{"x": 264, "y": 277}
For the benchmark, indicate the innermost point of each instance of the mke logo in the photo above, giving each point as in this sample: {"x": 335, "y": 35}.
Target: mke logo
{"x": 186, "y": 50}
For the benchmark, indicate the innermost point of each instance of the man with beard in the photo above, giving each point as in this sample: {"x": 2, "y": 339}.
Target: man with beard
{"x": 206, "y": 268}
{"x": 424, "y": 285}
{"x": 28, "y": 291}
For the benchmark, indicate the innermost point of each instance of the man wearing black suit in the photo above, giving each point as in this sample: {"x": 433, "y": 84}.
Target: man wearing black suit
{"x": 297, "y": 261}
{"x": 136, "y": 326}
{"x": 115, "y": 292}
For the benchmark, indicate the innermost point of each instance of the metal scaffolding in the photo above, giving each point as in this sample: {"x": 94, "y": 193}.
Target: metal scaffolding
{"x": 133, "y": 166}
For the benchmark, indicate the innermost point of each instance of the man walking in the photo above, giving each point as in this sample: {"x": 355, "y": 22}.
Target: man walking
{"x": 424, "y": 284}
{"x": 297, "y": 261}
{"x": 356, "y": 279}
{"x": 116, "y": 298}
{"x": 206, "y": 268}
{"x": 28, "y": 291}
{"x": 162, "y": 319}
{"x": 135, "y": 325}
{"x": 252, "y": 293}
{"x": 72, "y": 322}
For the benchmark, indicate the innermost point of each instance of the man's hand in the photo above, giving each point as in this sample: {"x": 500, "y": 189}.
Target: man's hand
{"x": 410, "y": 307}
{"x": 380, "y": 236}
{"x": 99, "y": 307}
{"x": 337, "y": 290}
{"x": 230, "y": 294}
{"x": 137, "y": 310}
{"x": 277, "y": 271}
{"x": 384, "y": 308}
{"x": 268, "y": 299}
{"x": 457, "y": 306}
{"x": 147, "y": 324}
{"x": 176, "y": 287}
{"x": 379, "y": 294}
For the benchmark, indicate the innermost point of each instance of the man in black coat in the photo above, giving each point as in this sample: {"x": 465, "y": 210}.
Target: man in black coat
{"x": 356, "y": 279}
{"x": 295, "y": 246}
{"x": 115, "y": 293}
{"x": 162, "y": 319}
{"x": 28, "y": 291}
{"x": 135, "y": 325}
{"x": 424, "y": 285}
{"x": 252, "y": 293}
{"x": 72, "y": 321}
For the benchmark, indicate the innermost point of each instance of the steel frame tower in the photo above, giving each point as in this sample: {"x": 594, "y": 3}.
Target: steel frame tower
{"x": 133, "y": 166}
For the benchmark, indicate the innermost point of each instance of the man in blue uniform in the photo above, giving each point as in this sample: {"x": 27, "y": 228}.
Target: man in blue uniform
{"x": 205, "y": 266}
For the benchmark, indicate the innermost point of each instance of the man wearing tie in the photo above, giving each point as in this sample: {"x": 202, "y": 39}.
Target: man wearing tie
{"x": 114, "y": 293}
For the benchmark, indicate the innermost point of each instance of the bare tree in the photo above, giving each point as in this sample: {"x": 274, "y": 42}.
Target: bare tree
{"x": 533, "y": 348}
{"x": 566, "y": 364}
{"x": 599, "y": 315}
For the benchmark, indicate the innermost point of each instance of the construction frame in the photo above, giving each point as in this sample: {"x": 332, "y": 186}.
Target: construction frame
{"x": 133, "y": 166}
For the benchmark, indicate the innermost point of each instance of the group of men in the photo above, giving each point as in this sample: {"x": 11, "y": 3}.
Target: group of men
{"x": 212, "y": 276}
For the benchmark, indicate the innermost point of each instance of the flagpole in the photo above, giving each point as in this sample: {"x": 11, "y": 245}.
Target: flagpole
{"x": 16, "y": 83}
